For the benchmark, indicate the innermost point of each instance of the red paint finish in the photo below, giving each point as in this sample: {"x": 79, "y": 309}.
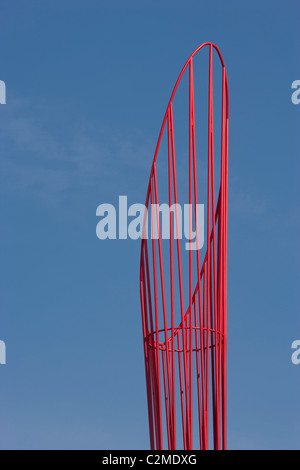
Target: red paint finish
{"x": 186, "y": 361}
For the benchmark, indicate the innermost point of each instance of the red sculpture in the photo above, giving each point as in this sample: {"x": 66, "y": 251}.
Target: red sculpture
{"x": 185, "y": 316}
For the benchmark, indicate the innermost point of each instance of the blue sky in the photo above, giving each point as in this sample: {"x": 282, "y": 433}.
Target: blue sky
{"x": 87, "y": 86}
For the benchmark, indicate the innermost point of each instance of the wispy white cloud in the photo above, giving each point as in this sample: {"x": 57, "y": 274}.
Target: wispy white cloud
{"x": 245, "y": 200}
{"x": 246, "y": 203}
{"x": 42, "y": 153}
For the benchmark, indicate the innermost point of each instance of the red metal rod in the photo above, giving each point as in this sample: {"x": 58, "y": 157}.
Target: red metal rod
{"x": 202, "y": 329}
